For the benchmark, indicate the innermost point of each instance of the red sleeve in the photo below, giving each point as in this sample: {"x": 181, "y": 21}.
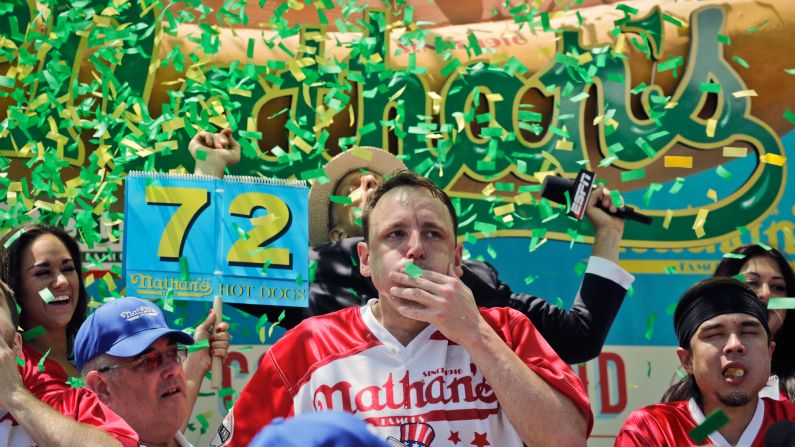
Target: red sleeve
{"x": 640, "y": 430}
{"x": 85, "y": 407}
{"x": 264, "y": 398}
{"x": 520, "y": 334}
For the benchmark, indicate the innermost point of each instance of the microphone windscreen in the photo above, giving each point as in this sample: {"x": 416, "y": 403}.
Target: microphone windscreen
{"x": 554, "y": 188}
{"x": 780, "y": 434}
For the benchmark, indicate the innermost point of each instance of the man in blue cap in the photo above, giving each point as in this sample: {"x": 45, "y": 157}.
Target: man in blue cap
{"x": 132, "y": 360}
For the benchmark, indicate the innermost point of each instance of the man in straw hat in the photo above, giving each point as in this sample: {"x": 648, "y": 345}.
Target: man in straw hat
{"x": 577, "y": 335}
{"x": 725, "y": 348}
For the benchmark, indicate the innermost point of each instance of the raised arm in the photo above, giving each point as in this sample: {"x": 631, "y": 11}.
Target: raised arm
{"x": 213, "y": 152}
{"x": 42, "y": 423}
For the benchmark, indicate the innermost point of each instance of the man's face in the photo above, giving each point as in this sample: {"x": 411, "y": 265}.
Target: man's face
{"x": 730, "y": 358}
{"x": 153, "y": 401}
{"x": 408, "y": 224}
{"x": 357, "y": 185}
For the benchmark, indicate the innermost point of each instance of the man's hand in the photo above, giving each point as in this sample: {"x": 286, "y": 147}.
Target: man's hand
{"x": 439, "y": 299}
{"x": 609, "y": 229}
{"x": 199, "y": 362}
{"x": 214, "y": 152}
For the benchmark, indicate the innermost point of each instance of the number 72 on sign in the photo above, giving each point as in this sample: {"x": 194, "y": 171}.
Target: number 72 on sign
{"x": 242, "y": 238}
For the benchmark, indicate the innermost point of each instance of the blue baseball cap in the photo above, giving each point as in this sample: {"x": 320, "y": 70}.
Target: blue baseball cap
{"x": 124, "y": 327}
{"x": 321, "y": 429}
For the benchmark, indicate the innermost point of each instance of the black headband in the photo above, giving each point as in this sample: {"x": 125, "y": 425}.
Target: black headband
{"x": 711, "y": 298}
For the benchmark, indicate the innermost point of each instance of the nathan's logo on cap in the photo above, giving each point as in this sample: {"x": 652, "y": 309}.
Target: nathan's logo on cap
{"x": 143, "y": 311}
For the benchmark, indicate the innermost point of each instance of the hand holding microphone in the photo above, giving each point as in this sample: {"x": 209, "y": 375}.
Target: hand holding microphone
{"x": 554, "y": 188}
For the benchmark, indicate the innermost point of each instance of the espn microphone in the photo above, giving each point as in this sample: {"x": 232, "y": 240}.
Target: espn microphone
{"x": 780, "y": 434}
{"x": 554, "y": 188}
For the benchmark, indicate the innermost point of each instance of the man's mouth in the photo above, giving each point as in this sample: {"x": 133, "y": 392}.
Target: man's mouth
{"x": 171, "y": 392}
{"x": 734, "y": 373}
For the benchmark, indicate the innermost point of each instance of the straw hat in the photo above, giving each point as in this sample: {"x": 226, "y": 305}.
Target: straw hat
{"x": 380, "y": 162}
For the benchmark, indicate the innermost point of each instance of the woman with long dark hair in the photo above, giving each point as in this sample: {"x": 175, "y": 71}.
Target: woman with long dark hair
{"x": 770, "y": 275}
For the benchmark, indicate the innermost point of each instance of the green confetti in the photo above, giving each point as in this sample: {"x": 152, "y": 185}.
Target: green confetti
{"x": 670, "y": 269}
{"x": 709, "y": 87}
{"x": 354, "y": 293}
{"x": 559, "y": 302}
{"x": 30, "y": 334}
{"x": 739, "y": 277}
{"x": 781, "y": 303}
{"x": 224, "y": 392}
{"x": 264, "y": 269}
{"x": 711, "y": 424}
{"x": 43, "y": 358}
{"x": 342, "y": 200}
{"x": 19, "y": 233}
{"x": 615, "y": 196}
{"x": 650, "y": 325}
{"x": 636, "y": 174}
{"x": 723, "y": 173}
{"x": 740, "y": 61}
{"x": 75, "y": 382}
{"x": 413, "y": 270}
{"x": 20, "y": 362}
{"x": 299, "y": 280}
{"x": 677, "y": 186}
{"x": 312, "y": 270}
{"x": 492, "y": 252}
{"x": 734, "y": 256}
{"x": 46, "y": 295}
{"x": 184, "y": 271}
{"x": 789, "y": 116}
{"x": 671, "y": 308}
{"x": 201, "y": 154}
{"x": 203, "y": 421}
{"x": 199, "y": 345}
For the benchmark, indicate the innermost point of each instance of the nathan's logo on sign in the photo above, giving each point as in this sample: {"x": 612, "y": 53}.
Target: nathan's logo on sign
{"x": 149, "y": 285}
{"x": 479, "y": 128}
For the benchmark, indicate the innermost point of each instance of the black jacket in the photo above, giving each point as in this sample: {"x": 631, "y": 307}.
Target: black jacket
{"x": 577, "y": 335}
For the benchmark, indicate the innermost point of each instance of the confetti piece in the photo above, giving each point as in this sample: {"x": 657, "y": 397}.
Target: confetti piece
{"x": 677, "y": 186}
{"x": 20, "y": 362}
{"x": 774, "y": 159}
{"x": 711, "y": 424}
{"x": 736, "y": 152}
{"x": 701, "y": 219}
{"x": 650, "y": 325}
{"x": 74, "y": 382}
{"x": 343, "y": 200}
{"x": 672, "y": 161}
{"x": 637, "y": 174}
{"x": 413, "y": 270}
{"x": 711, "y": 125}
{"x": 734, "y": 255}
{"x": 43, "y": 358}
{"x": 199, "y": 345}
{"x": 723, "y": 173}
{"x": 781, "y": 303}
{"x": 13, "y": 238}
{"x": 30, "y": 334}
{"x": 744, "y": 93}
{"x": 669, "y": 214}
{"x": 789, "y": 116}
{"x": 46, "y": 295}
{"x": 184, "y": 271}
{"x": 712, "y": 194}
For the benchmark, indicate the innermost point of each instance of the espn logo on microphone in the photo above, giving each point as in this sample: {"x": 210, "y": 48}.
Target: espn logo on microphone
{"x": 582, "y": 193}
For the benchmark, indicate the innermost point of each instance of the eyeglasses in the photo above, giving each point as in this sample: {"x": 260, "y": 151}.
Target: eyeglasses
{"x": 152, "y": 360}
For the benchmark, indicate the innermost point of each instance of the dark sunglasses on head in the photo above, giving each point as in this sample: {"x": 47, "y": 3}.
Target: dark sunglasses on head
{"x": 152, "y": 360}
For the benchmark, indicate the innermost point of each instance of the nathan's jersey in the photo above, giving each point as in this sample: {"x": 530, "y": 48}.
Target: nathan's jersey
{"x": 430, "y": 389}
{"x": 48, "y": 381}
{"x": 668, "y": 424}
